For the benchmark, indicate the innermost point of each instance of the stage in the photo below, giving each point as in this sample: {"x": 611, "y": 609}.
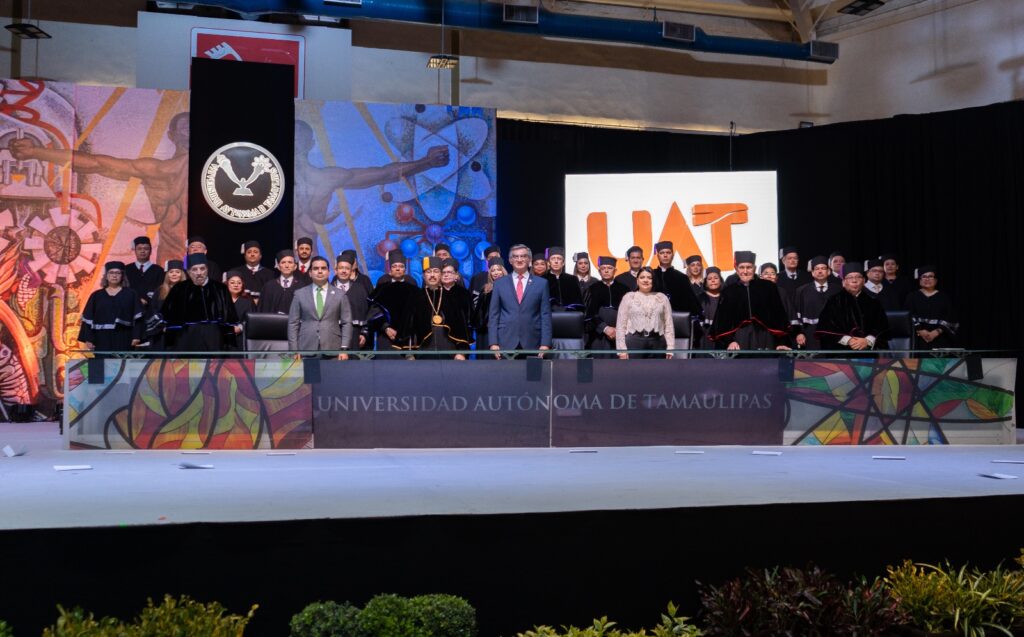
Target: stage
{"x": 528, "y": 536}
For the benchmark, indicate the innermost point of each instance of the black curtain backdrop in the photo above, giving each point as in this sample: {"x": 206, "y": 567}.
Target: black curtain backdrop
{"x": 940, "y": 188}
{"x": 234, "y": 102}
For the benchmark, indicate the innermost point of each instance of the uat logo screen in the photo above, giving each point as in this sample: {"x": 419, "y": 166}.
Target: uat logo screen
{"x": 709, "y": 214}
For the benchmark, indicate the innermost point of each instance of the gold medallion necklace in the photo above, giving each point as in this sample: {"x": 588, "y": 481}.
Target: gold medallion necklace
{"x": 436, "y": 310}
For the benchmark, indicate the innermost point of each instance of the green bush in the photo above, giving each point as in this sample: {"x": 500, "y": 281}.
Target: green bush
{"x": 671, "y": 626}
{"x": 444, "y": 615}
{"x": 182, "y": 617}
{"x": 968, "y": 601}
{"x": 5, "y": 630}
{"x": 327, "y": 619}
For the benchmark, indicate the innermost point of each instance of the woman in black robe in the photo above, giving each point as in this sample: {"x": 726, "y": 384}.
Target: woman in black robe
{"x": 482, "y": 301}
{"x": 112, "y": 319}
{"x": 709, "y": 300}
{"x": 931, "y": 312}
{"x": 243, "y": 304}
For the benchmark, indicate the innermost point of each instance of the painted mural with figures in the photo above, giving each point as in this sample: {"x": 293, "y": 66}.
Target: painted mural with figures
{"x": 85, "y": 169}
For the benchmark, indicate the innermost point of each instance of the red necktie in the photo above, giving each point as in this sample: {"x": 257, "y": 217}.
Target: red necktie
{"x": 519, "y": 289}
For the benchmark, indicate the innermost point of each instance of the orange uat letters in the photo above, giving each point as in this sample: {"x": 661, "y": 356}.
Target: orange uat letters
{"x": 721, "y": 216}
{"x": 597, "y": 236}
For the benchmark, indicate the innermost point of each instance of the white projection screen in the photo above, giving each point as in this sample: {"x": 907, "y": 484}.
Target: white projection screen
{"x": 710, "y": 214}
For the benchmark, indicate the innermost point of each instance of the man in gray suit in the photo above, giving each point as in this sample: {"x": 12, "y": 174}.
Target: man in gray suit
{"x": 320, "y": 317}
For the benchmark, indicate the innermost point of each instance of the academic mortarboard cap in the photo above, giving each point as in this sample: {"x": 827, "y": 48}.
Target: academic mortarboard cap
{"x": 252, "y": 243}
{"x": 555, "y": 251}
{"x": 196, "y": 259}
{"x": 713, "y": 270}
{"x": 141, "y": 241}
{"x": 695, "y": 258}
{"x": 432, "y": 262}
{"x": 745, "y": 256}
{"x": 818, "y": 260}
{"x": 346, "y": 257}
{"x": 606, "y": 261}
{"x": 889, "y": 255}
{"x": 925, "y": 269}
{"x": 765, "y": 266}
{"x": 852, "y": 267}
{"x": 396, "y": 256}
{"x": 580, "y": 255}
{"x": 285, "y": 253}
{"x": 787, "y": 250}
{"x": 662, "y": 245}
{"x": 195, "y": 239}
{"x": 349, "y": 252}
{"x": 442, "y": 246}
{"x": 174, "y": 264}
{"x": 539, "y": 257}
{"x": 450, "y": 262}
{"x": 304, "y": 241}
{"x": 873, "y": 263}
{"x": 493, "y": 261}
{"x": 113, "y": 265}
{"x": 491, "y": 249}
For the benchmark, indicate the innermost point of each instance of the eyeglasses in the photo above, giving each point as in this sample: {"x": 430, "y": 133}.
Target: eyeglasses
{"x": 518, "y": 256}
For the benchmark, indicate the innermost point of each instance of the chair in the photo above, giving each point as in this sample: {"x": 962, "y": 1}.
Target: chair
{"x": 901, "y": 332}
{"x": 566, "y": 331}
{"x": 681, "y": 322}
{"x": 266, "y": 332}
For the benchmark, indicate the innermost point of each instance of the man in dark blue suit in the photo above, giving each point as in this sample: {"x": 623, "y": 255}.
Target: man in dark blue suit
{"x": 520, "y": 312}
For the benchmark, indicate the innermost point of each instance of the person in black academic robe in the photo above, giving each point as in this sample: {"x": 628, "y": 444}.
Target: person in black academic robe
{"x": 481, "y": 300}
{"x": 358, "y": 299}
{"x": 635, "y": 258}
{"x": 583, "y": 271}
{"x": 897, "y": 287}
{"x": 389, "y": 303}
{"x": 836, "y": 261}
{"x": 709, "y": 300}
{"x": 750, "y": 314}
{"x": 199, "y": 313}
{"x": 852, "y": 319}
{"x": 143, "y": 275}
{"x": 563, "y": 288}
{"x": 481, "y": 278}
{"x": 276, "y": 296}
{"x": 791, "y": 276}
{"x": 810, "y": 299}
{"x": 673, "y": 283}
{"x": 606, "y": 293}
{"x": 197, "y": 245}
{"x": 112, "y": 318}
{"x": 153, "y": 318}
{"x": 768, "y": 272}
{"x": 437, "y": 318}
{"x": 932, "y": 313}
{"x": 695, "y": 272}
{"x": 254, "y": 274}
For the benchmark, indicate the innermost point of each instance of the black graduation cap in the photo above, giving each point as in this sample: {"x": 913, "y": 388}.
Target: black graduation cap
{"x": 662, "y": 245}
{"x": 349, "y": 252}
{"x": 196, "y": 259}
{"x": 450, "y": 262}
{"x": 765, "y": 266}
{"x": 396, "y": 256}
{"x": 195, "y": 239}
{"x": 252, "y": 243}
{"x": 491, "y": 249}
{"x": 174, "y": 264}
{"x": 555, "y": 251}
{"x": 786, "y": 250}
{"x": 852, "y": 267}
{"x": 432, "y": 262}
{"x": 141, "y": 241}
{"x": 925, "y": 269}
{"x": 694, "y": 258}
{"x": 304, "y": 241}
{"x": 606, "y": 261}
{"x": 539, "y": 257}
{"x": 493, "y": 261}
{"x": 745, "y": 256}
{"x": 873, "y": 263}
{"x": 580, "y": 255}
{"x": 346, "y": 257}
{"x": 713, "y": 270}
{"x": 442, "y": 246}
{"x": 284, "y": 253}
{"x": 818, "y": 260}
{"x": 113, "y": 265}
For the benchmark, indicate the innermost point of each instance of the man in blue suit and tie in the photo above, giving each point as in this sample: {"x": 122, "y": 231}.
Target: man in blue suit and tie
{"x": 520, "y": 312}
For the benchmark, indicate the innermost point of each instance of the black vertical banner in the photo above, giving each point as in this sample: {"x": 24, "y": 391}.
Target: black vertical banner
{"x": 241, "y": 102}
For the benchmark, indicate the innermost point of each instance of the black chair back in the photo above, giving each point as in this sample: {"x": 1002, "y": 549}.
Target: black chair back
{"x": 682, "y": 324}
{"x": 901, "y": 330}
{"x": 266, "y": 332}
{"x": 567, "y": 325}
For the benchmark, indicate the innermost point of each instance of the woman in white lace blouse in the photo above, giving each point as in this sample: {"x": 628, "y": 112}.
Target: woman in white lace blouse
{"x": 645, "y": 320}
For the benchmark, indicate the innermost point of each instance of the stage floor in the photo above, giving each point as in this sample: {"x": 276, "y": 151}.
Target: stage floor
{"x": 149, "y": 488}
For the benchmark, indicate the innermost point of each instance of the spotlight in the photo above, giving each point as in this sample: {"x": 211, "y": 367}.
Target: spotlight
{"x": 27, "y": 31}
{"x": 443, "y": 62}
{"x": 862, "y": 7}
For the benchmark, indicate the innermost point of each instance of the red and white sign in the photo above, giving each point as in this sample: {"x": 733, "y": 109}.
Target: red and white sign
{"x": 252, "y": 46}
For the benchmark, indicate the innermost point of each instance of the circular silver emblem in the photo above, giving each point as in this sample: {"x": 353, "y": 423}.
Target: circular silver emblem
{"x": 243, "y": 182}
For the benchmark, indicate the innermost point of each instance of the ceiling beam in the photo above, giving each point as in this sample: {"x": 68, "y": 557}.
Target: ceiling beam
{"x": 829, "y": 10}
{"x": 803, "y": 23}
{"x": 706, "y": 7}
